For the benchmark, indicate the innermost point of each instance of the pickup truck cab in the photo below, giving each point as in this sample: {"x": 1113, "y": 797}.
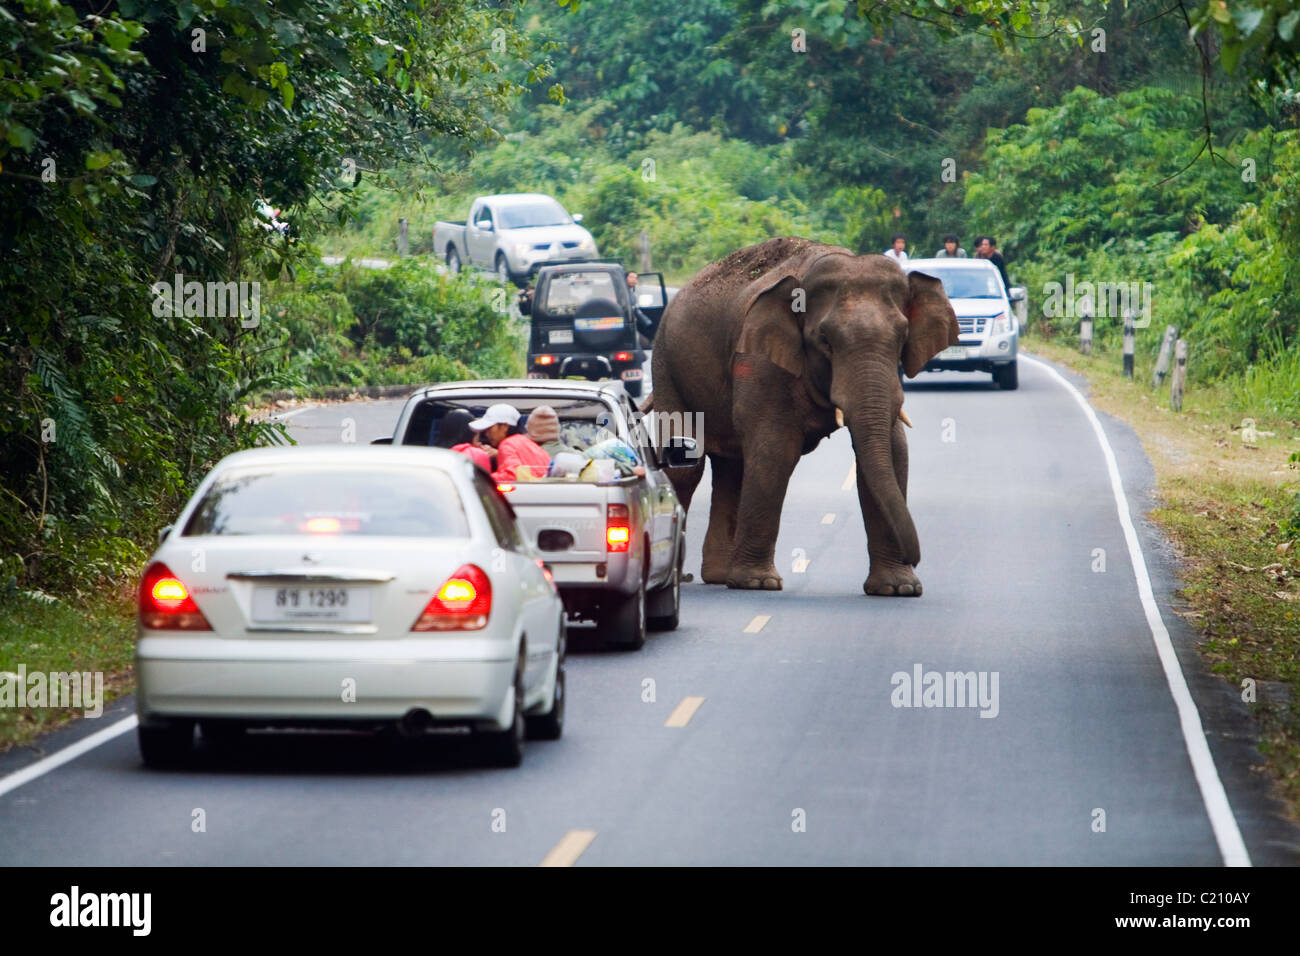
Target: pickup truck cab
{"x": 614, "y": 547}
{"x": 509, "y": 233}
{"x": 585, "y": 323}
{"x": 990, "y": 333}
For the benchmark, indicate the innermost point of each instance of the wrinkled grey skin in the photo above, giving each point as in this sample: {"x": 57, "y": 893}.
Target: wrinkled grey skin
{"x": 768, "y": 378}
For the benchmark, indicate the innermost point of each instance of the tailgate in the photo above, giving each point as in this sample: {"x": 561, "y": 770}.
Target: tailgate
{"x": 565, "y": 521}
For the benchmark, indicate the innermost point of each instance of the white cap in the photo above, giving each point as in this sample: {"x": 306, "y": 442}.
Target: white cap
{"x": 501, "y": 414}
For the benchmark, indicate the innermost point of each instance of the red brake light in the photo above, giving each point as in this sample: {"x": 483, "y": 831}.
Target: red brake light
{"x": 166, "y": 604}
{"x": 618, "y": 533}
{"x": 545, "y": 360}
{"x": 623, "y": 356}
{"x": 463, "y": 603}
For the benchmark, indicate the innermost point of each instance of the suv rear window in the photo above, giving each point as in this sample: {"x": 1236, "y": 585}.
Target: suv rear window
{"x": 406, "y": 503}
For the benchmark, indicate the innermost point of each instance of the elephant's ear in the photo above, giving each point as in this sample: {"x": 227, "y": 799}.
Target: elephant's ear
{"x": 771, "y": 325}
{"x": 932, "y": 324}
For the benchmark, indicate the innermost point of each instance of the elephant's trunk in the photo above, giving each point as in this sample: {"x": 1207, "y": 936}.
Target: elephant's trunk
{"x": 871, "y": 408}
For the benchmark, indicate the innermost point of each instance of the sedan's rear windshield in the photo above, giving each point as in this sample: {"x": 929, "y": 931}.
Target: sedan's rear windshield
{"x": 968, "y": 283}
{"x": 406, "y": 503}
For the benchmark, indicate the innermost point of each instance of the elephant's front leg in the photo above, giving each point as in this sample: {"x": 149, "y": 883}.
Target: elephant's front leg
{"x": 723, "y": 505}
{"x": 762, "y": 493}
{"x": 888, "y": 575}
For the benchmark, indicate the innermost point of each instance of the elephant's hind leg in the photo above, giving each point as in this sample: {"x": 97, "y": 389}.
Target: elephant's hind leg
{"x": 726, "y": 476}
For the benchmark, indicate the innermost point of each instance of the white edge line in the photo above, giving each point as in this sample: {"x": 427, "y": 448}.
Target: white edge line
{"x": 1215, "y": 798}
{"x": 67, "y": 754}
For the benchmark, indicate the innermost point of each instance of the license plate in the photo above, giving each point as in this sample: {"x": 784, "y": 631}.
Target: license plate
{"x": 308, "y": 604}
{"x": 953, "y": 352}
{"x": 632, "y": 375}
{"x": 561, "y": 337}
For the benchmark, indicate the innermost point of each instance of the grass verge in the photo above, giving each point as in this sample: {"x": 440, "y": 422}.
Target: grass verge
{"x": 1222, "y": 500}
{"x": 95, "y": 634}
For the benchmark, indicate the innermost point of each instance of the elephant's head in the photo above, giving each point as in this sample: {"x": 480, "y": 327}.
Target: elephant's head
{"x": 861, "y": 316}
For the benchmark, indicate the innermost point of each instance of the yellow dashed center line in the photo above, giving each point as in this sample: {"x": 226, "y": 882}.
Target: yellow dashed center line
{"x": 682, "y": 715}
{"x": 850, "y": 478}
{"x": 828, "y": 518}
{"x": 756, "y": 625}
{"x": 567, "y": 851}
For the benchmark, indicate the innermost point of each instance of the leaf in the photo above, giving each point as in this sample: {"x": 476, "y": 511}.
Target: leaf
{"x": 98, "y": 159}
{"x": 286, "y": 94}
{"x": 143, "y": 179}
{"x": 1286, "y": 26}
{"x": 20, "y": 136}
{"x": 1247, "y": 19}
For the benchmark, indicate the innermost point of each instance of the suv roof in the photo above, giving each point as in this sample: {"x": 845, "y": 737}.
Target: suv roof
{"x": 524, "y": 384}
{"x": 948, "y": 263}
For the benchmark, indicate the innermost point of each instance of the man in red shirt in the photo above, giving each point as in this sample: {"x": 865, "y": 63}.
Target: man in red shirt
{"x": 512, "y": 450}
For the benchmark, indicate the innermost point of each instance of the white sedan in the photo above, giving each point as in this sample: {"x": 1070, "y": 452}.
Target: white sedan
{"x": 349, "y": 587}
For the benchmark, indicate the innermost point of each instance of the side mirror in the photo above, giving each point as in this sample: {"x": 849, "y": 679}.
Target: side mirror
{"x": 484, "y": 224}
{"x": 386, "y": 440}
{"x": 577, "y": 217}
{"x": 164, "y": 531}
{"x": 680, "y": 452}
{"x": 1016, "y": 293}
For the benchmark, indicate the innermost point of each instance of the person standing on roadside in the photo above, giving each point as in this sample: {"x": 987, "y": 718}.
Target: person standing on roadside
{"x": 987, "y": 248}
{"x": 898, "y": 251}
{"x": 951, "y": 249}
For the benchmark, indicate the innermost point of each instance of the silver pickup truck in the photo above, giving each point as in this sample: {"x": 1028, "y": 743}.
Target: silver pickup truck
{"x": 614, "y": 547}
{"x": 510, "y": 233}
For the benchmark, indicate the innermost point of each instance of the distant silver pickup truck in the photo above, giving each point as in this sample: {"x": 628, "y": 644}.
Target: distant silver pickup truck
{"x": 615, "y": 548}
{"x": 510, "y": 233}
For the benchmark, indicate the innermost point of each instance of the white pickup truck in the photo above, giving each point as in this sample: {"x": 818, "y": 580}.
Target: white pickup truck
{"x": 510, "y": 233}
{"x": 614, "y": 547}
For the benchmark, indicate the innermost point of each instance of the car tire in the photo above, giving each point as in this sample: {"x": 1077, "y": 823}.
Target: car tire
{"x": 622, "y": 620}
{"x": 453, "y": 260}
{"x": 1008, "y": 376}
{"x": 505, "y": 748}
{"x": 550, "y": 726}
{"x": 168, "y": 745}
{"x": 664, "y": 604}
{"x": 502, "y": 269}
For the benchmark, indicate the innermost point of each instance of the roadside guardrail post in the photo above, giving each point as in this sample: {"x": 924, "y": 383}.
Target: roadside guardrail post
{"x": 402, "y": 244}
{"x": 1128, "y": 343}
{"x": 1179, "y": 378}
{"x": 1166, "y": 352}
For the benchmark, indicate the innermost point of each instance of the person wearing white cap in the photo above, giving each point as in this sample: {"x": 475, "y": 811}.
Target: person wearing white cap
{"x": 512, "y": 450}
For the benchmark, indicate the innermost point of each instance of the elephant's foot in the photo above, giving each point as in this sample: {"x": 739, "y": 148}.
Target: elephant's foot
{"x": 892, "y": 580}
{"x": 713, "y": 572}
{"x": 754, "y": 579}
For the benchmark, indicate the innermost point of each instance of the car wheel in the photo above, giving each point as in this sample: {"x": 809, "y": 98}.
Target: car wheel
{"x": 622, "y": 620}
{"x": 453, "y": 260}
{"x": 1008, "y": 376}
{"x": 550, "y": 726}
{"x": 505, "y": 748}
{"x": 503, "y": 270}
{"x": 665, "y": 603}
{"x": 168, "y": 745}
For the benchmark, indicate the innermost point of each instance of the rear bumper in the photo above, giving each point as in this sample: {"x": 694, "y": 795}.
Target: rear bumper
{"x": 323, "y": 679}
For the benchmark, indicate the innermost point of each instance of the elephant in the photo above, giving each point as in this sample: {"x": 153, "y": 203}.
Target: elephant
{"x": 776, "y": 346}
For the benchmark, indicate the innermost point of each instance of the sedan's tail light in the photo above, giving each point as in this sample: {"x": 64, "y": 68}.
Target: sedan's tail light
{"x": 623, "y": 356}
{"x": 463, "y": 603}
{"x": 618, "y": 532}
{"x": 544, "y": 360}
{"x": 166, "y": 604}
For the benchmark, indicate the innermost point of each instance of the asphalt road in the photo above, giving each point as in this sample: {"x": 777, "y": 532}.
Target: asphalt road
{"x": 796, "y": 753}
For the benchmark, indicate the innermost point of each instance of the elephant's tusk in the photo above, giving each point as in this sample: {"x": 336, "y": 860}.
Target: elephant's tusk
{"x": 903, "y": 415}
{"x": 839, "y": 418}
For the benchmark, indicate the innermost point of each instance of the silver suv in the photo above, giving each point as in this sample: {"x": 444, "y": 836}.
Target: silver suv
{"x": 990, "y": 334}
